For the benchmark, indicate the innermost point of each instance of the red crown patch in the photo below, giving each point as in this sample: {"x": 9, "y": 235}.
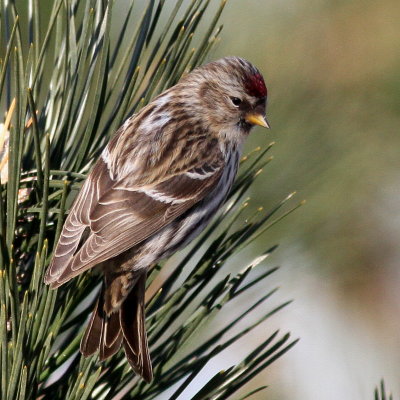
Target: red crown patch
{"x": 255, "y": 86}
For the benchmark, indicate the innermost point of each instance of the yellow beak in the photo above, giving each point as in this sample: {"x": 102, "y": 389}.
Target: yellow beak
{"x": 257, "y": 119}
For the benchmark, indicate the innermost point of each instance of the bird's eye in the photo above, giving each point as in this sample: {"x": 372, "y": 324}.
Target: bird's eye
{"x": 236, "y": 101}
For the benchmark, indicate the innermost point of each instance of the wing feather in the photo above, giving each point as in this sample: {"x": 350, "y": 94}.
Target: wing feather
{"x": 116, "y": 230}
{"x": 77, "y": 221}
{"x": 118, "y": 210}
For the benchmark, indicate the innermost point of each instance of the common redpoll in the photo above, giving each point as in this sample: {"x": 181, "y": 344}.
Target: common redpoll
{"x": 157, "y": 184}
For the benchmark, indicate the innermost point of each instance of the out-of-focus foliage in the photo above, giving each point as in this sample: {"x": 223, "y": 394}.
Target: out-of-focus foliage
{"x": 332, "y": 70}
{"x": 380, "y": 392}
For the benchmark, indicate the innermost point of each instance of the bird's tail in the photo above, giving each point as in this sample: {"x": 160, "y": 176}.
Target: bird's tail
{"x": 106, "y": 332}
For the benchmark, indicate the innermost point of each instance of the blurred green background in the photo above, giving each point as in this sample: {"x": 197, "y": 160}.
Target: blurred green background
{"x": 332, "y": 70}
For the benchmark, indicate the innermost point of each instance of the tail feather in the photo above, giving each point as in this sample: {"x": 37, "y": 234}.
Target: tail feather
{"x": 91, "y": 340}
{"x": 126, "y": 326}
{"x": 132, "y": 318}
{"x": 103, "y": 332}
{"x": 111, "y": 337}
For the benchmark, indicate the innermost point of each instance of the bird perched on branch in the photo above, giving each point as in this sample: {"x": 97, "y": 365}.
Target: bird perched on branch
{"x": 156, "y": 186}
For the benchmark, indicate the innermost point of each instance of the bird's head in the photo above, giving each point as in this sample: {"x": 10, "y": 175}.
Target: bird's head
{"x": 233, "y": 95}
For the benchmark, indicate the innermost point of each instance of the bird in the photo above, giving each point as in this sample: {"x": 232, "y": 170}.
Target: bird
{"x": 156, "y": 185}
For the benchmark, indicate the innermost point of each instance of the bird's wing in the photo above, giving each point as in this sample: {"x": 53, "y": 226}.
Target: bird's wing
{"x": 131, "y": 209}
{"x": 78, "y": 220}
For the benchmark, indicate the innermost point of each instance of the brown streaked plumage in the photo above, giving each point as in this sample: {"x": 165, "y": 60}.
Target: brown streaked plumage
{"x": 158, "y": 182}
